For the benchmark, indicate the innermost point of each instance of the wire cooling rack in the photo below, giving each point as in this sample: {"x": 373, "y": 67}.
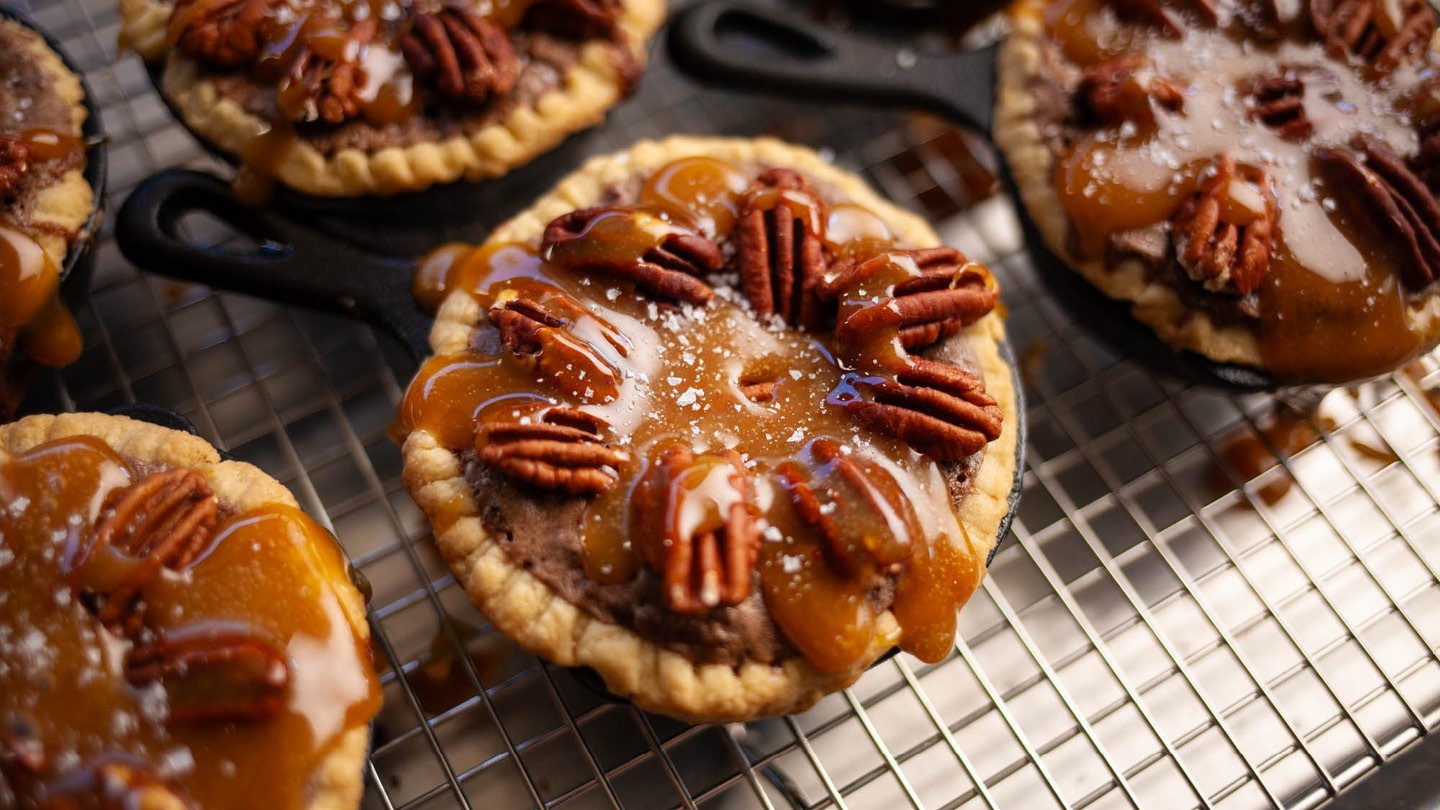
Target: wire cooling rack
{"x": 1173, "y": 624}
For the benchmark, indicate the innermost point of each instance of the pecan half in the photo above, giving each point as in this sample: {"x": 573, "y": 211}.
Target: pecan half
{"x": 944, "y": 293}
{"x": 1224, "y": 233}
{"x": 225, "y": 34}
{"x": 1115, "y": 92}
{"x": 166, "y": 519}
{"x": 557, "y": 449}
{"x": 1278, "y": 100}
{"x": 530, "y": 330}
{"x": 575, "y": 19}
{"x": 697, "y": 527}
{"x": 858, "y": 510}
{"x": 14, "y": 164}
{"x": 212, "y": 677}
{"x": 939, "y": 410}
{"x": 780, "y": 248}
{"x": 1384, "y": 192}
{"x": 628, "y": 244}
{"x": 466, "y": 57}
{"x": 1382, "y": 33}
{"x": 759, "y": 391}
{"x": 1426, "y": 161}
{"x": 328, "y": 85}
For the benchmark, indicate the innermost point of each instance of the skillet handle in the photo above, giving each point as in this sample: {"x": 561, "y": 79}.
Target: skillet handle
{"x": 754, "y": 47}
{"x": 290, "y": 263}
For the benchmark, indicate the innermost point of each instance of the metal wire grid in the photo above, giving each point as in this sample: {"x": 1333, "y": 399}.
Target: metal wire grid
{"x": 1156, "y": 634}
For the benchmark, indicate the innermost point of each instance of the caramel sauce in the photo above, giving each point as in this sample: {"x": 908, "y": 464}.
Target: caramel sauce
{"x": 264, "y": 573}
{"x": 1250, "y": 454}
{"x": 255, "y": 180}
{"x": 663, "y": 375}
{"x": 1331, "y": 307}
{"x": 31, "y": 314}
{"x": 702, "y": 192}
{"x": 852, "y": 229}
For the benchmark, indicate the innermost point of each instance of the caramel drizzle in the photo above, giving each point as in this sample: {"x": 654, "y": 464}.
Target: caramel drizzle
{"x": 238, "y": 655}
{"x": 710, "y": 379}
{"x": 1330, "y": 307}
{"x": 32, "y": 317}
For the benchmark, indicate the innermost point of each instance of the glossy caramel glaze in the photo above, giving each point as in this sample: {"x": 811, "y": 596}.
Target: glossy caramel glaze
{"x": 1332, "y": 307}
{"x": 32, "y": 317}
{"x": 265, "y": 574}
{"x": 663, "y": 376}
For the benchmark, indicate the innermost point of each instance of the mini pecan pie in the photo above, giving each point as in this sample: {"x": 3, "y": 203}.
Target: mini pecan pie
{"x": 343, "y": 98}
{"x": 45, "y": 204}
{"x": 1256, "y": 178}
{"x": 174, "y": 631}
{"x": 715, "y": 420}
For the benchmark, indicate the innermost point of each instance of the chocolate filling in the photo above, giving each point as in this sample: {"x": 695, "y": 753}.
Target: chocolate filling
{"x": 541, "y": 532}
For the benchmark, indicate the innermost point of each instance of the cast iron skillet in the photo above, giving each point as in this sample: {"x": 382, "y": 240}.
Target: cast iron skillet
{"x": 79, "y": 263}
{"x": 751, "y": 46}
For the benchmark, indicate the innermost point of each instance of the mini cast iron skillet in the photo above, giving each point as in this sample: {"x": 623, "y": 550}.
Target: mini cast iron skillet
{"x": 292, "y": 263}
{"x": 79, "y": 263}
{"x": 750, "y": 46}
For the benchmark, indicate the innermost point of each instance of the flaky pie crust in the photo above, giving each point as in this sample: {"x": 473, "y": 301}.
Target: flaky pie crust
{"x": 529, "y": 611}
{"x": 337, "y": 784}
{"x": 591, "y": 87}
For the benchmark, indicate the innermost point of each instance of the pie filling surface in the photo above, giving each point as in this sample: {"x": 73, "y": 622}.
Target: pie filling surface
{"x": 159, "y": 648}
{"x": 1274, "y": 163}
{"x": 725, "y": 410}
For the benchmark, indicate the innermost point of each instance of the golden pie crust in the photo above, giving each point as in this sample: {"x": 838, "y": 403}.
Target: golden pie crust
{"x": 532, "y": 613}
{"x": 337, "y": 784}
{"x": 1032, "y": 164}
{"x": 593, "y": 85}
{"x": 61, "y": 209}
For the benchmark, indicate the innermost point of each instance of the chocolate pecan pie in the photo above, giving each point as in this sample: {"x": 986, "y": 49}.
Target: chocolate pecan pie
{"x": 174, "y": 631}
{"x": 45, "y": 205}
{"x": 1256, "y": 178}
{"x": 342, "y": 98}
{"x": 716, "y": 421}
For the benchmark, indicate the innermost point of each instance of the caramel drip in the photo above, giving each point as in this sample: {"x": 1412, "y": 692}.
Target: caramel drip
{"x": 1331, "y": 309}
{"x": 255, "y": 180}
{"x": 679, "y": 376}
{"x": 31, "y": 314}
{"x": 265, "y": 574}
